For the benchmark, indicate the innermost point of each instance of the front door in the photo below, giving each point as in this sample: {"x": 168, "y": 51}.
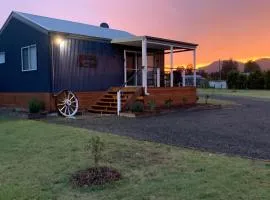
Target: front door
{"x": 132, "y": 69}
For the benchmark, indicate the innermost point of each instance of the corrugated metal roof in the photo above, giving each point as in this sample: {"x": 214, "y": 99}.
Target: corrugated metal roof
{"x": 64, "y": 26}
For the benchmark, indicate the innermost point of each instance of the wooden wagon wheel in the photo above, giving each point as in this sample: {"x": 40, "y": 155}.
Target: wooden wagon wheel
{"x": 67, "y": 103}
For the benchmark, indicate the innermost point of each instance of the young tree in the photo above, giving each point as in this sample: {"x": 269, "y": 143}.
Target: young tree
{"x": 228, "y": 66}
{"x": 251, "y": 66}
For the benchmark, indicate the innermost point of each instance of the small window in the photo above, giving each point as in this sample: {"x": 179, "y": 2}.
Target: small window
{"x": 2, "y": 57}
{"x": 29, "y": 58}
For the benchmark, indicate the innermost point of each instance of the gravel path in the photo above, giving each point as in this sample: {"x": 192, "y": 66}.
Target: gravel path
{"x": 242, "y": 130}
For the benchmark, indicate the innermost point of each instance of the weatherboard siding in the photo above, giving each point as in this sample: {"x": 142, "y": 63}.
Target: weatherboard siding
{"x": 15, "y": 36}
{"x": 108, "y": 72}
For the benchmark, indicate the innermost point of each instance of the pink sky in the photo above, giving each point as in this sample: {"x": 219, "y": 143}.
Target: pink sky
{"x": 238, "y": 29}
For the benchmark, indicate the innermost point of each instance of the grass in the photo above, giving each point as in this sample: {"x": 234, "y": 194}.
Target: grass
{"x": 265, "y": 94}
{"x": 216, "y": 101}
{"x": 37, "y": 159}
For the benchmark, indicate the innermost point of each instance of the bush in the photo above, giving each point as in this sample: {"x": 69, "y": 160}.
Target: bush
{"x": 152, "y": 105}
{"x": 137, "y": 107}
{"x": 256, "y": 80}
{"x": 232, "y": 79}
{"x": 96, "y": 146}
{"x": 35, "y": 106}
{"x": 168, "y": 103}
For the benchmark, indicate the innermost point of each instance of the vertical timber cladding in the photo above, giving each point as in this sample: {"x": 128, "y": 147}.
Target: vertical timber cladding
{"x": 176, "y": 94}
{"x": 21, "y": 100}
{"x": 82, "y": 65}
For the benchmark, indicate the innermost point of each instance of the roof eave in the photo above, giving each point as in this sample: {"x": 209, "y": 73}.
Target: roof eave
{"x": 25, "y": 20}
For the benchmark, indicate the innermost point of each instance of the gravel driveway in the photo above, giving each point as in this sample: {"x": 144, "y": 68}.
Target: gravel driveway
{"x": 242, "y": 130}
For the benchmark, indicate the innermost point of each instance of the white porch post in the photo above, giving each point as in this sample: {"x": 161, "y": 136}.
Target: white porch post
{"x": 194, "y": 66}
{"x": 144, "y": 64}
{"x": 184, "y": 78}
{"x": 125, "y": 67}
{"x": 171, "y": 74}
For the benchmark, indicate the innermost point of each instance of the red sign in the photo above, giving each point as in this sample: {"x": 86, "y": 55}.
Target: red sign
{"x": 87, "y": 60}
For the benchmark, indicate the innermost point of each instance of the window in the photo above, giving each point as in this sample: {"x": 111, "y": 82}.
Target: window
{"x": 2, "y": 57}
{"x": 29, "y": 58}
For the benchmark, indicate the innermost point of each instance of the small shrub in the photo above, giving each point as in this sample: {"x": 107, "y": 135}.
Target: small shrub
{"x": 95, "y": 146}
{"x": 35, "y": 106}
{"x": 137, "y": 107}
{"x": 152, "y": 105}
{"x": 168, "y": 103}
{"x": 184, "y": 100}
{"x": 207, "y": 96}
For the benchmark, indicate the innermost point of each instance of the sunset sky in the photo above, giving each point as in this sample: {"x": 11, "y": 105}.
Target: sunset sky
{"x": 238, "y": 29}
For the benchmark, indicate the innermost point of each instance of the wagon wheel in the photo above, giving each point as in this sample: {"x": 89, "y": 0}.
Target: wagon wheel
{"x": 67, "y": 103}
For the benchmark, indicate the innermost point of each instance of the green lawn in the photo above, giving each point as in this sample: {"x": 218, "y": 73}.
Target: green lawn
{"x": 212, "y": 101}
{"x": 37, "y": 159}
{"x": 244, "y": 93}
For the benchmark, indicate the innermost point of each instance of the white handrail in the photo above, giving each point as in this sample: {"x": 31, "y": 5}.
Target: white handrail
{"x": 158, "y": 77}
{"x": 118, "y": 102}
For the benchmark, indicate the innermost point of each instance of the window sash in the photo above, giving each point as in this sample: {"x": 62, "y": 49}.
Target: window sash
{"x": 29, "y": 58}
{"x": 2, "y": 57}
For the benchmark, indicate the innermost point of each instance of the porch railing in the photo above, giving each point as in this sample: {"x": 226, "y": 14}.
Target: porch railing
{"x": 119, "y": 91}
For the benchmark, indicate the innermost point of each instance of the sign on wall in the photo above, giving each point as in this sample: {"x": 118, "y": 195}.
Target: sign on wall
{"x": 87, "y": 60}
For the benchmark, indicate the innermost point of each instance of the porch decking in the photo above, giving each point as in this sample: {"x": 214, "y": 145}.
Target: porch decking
{"x": 107, "y": 103}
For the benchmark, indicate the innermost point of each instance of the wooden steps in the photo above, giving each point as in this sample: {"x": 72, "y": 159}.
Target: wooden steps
{"x": 107, "y": 104}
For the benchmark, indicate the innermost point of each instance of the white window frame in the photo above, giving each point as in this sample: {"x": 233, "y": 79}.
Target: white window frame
{"x": 4, "y": 53}
{"x": 29, "y": 58}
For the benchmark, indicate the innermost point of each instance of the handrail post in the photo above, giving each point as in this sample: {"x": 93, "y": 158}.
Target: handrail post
{"x": 118, "y": 102}
{"x": 158, "y": 77}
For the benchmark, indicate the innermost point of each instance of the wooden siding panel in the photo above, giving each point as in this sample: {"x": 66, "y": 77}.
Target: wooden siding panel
{"x": 21, "y": 100}
{"x": 160, "y": 95}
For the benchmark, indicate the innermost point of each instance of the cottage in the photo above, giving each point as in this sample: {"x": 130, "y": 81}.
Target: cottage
{"x": 45, "y": 58}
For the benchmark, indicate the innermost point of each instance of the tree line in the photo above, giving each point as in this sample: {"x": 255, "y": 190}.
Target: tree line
{"x": 252, "y": 77}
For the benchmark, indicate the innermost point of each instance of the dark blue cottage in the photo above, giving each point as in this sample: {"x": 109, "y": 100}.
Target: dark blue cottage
{"x": 41, "y": 56}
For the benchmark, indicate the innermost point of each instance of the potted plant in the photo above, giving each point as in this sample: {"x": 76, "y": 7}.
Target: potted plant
{"x": 36, "y": 109}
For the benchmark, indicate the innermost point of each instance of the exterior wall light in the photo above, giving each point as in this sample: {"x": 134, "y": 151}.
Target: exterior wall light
{"x": 59, "y": 40}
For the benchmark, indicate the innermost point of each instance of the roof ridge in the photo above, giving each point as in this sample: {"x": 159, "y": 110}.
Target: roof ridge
{"x": 23, "y": 14}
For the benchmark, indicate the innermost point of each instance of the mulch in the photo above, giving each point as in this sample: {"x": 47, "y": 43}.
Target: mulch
{"x": 95, "y": 176}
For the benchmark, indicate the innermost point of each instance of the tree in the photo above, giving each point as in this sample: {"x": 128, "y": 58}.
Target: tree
{"x": 203, "y": 73}
{"x": 251, "y": 66}
{"x": 232, "y": 79}
{"x": 242, "y": 81}
{"x": 228, "y": 66}
{"x": 255, "y": 80}
{"x": 267, "y": 80}
{"x": 189, "y": 69}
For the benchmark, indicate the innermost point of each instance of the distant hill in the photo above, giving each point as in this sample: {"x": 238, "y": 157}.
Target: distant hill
{"x": 214, "y": 67}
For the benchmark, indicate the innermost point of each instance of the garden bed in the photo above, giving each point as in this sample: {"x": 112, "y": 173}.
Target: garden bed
{"x": 95, "y": 176}
{"x": 163, "y": 110}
